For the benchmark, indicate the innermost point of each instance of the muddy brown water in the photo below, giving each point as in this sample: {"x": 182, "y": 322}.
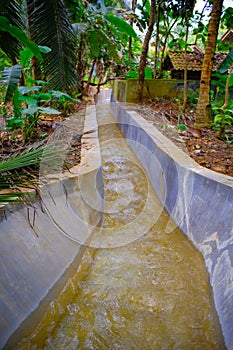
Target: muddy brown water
{"x": 142, "y": 288}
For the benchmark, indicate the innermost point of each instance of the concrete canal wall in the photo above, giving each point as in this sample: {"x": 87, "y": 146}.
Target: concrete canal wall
{"x": 34, "y": 269}
{"x": 126, "y": 90}
{"x": 199, "y": 200}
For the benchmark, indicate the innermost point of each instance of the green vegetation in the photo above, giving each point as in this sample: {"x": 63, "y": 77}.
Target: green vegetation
{"x": 223, "y": 113}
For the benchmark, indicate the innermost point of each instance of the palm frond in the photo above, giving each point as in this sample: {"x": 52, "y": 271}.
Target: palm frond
{"x": 11, "y": 197}
{"x": 12, "y": 9}
{"x": 26, "y": 158}
{"x": 10, "y": 77}
{"x": 22, "y": 170}
{"x": 50, "y": 26}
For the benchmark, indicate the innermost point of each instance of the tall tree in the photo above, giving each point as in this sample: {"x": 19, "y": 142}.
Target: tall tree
{"x": 204, "y": 112}
{"x": 145, "y": 47}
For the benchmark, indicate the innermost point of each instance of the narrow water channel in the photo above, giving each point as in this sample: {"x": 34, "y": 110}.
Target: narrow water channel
{"x": 147, "y": 292}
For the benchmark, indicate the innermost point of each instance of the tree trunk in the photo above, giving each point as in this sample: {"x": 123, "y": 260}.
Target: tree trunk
{"x": 221, "y": 132}
{"x": 142, "y": 64}
{"x": 156, "y": 42}
{"x": 186, "y": 65}
{"x": 36, "y": 68}
{"x": 130, "y": 52}
{"x": 80, "y": 68}
{"x": 86, "y": 89}
{"x": 204, "y": 112}
{"x": 168, "y": 31}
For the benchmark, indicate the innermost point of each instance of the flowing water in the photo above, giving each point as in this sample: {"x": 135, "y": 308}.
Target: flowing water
{"x": 146, "y": 289}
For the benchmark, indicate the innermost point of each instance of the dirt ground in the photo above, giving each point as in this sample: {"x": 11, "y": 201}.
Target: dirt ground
{"x": 12, "y": 142}
{"x": 202, "y": 145}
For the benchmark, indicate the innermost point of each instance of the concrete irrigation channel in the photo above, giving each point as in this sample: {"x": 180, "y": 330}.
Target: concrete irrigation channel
{"x": 135, "y": 248}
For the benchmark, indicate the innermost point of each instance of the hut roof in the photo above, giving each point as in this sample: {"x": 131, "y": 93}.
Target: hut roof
{"x": 227, "y": 37}
{"x": 176, "y": 60}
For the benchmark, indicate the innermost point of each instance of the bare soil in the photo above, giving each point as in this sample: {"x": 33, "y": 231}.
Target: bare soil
{"x": 202, "y": 145}
{"x": 12, "y": 142}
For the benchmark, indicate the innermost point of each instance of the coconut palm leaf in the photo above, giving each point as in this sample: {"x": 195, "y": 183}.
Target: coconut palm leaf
{"x": 10, "y": 77}
{"x": 19, "y": 35}
{"x": 21, "y": 170}
{"x": 31, "y": 156}
{"x": 50, "y": 26}
{"x": 14, "y": 197}
{"x": 12, "y": 9}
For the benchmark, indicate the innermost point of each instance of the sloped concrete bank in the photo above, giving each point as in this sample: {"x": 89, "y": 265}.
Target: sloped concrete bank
{"x": 198, "y": 200}
{"x": 34, "y": 269}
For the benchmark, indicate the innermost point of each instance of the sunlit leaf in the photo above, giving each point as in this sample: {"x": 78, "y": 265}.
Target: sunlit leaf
{"x": 25, "y": 56}
{"x": 48, "y": 110}
{"x": 121, "y": 25}
{"x": 131, "y": 75}
{"x": 44, "y": 49}
{"x": 25, "y": 90}
{"x": 33, "y": 108}
{"x": 147, "y": 5}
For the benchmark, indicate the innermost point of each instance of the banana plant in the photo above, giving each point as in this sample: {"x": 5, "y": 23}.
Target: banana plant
{"x": 13, "y": 11}
{"x": 226, "y": 63}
